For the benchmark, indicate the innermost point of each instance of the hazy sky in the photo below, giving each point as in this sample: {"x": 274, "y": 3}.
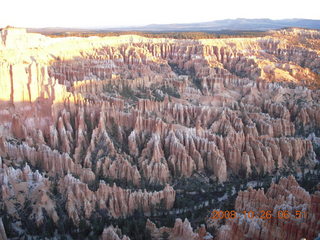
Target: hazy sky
{"x": 106, "y": 13}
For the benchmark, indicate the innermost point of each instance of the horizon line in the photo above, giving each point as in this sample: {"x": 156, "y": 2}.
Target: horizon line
{"x": 150, "y": 24}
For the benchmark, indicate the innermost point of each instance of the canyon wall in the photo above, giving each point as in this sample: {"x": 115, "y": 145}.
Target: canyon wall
{"x": 142, "y": 112}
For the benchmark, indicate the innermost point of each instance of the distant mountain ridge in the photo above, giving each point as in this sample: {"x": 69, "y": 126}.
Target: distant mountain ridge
{"x": 239, "y": 24}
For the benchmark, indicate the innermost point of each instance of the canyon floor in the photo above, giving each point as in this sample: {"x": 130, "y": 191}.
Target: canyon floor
{"x": 129, "y": 137}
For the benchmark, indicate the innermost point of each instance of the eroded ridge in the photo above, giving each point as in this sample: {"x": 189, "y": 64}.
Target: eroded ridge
{"x": 110, "y": 124}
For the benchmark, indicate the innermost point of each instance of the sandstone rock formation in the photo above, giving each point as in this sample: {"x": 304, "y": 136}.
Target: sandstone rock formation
{"x": 116, "y": 201}
{"x": 181, "y": 230}
{"x": 110, "y": 233}
{"x": 99, "y": 119}
{"x": 288, "y": 196}
{"x": 19, "y": 188}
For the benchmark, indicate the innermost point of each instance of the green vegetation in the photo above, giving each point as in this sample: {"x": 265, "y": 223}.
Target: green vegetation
{"x": 171, "y": 91}
{"x": 128, "y": 93}
{"x": 108, "y": 88}
{"x": 197, "y": 83}
{"x": 165, "y": 235}
{"x": 174, "y": 35}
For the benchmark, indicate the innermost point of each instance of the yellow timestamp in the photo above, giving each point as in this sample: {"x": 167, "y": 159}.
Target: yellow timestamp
{"x": 263, "y": 214}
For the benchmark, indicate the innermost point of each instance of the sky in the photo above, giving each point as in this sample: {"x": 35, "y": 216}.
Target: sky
{"x": 116, "y": 13}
